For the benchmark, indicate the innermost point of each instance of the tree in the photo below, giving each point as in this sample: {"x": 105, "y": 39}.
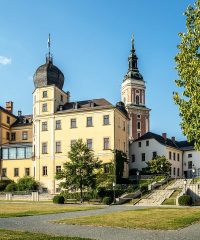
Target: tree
{"x": 188, "y": 67}
{"x": 81, "y": 171}
{"x": 159, "y": 165}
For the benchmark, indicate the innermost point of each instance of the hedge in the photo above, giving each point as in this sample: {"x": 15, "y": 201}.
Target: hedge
{"x": 107, "y": 200}
{"x": 185, "y": 200}
{"x": 59, "y": 199}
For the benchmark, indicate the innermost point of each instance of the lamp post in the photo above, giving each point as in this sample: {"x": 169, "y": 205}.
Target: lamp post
{"x": 138, "y": 173}
{"x": 161, "y": 166}
{"x": 193, "y": 171}
{"x": 185, "y": 183}
{"x": 114, "y": 184}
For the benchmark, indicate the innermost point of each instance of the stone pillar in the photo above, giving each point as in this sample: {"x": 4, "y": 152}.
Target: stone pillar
{"x": 35, "y": 196}
{"x": 9, "y": 196}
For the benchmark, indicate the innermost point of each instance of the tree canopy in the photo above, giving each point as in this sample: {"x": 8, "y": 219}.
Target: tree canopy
{"x": 159, "y": 165}
{"x": 188, "y": 67}
{"x": 81, "y": 170}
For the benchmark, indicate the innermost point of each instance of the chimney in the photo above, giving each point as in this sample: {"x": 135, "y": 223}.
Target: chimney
{"x": 9, "y": 106}
{"x": 19, "y": 113}
{"x": 173, "y": 139}
{"x": 164, "y": 135}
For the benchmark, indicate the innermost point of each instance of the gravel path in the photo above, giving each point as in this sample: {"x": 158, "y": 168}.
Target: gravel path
{"x": 40, "y": 223}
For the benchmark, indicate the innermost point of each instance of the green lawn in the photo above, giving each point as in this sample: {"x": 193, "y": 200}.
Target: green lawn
{"x": 28, "y": 209}
{"x": 18, "y": 235}
{"x": 172, "y": 199}
{"x": 155, "y": 218}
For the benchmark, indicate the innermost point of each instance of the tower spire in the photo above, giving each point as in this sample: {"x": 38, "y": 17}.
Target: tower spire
{"x": 49, "y": 55}
{"x": 132, "y": 42}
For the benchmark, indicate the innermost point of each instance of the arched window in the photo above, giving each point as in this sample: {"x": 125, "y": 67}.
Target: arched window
{"x": 137, "y": 99}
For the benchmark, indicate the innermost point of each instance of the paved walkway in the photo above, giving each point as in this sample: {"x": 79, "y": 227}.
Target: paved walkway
{"x": 41, "y": 224}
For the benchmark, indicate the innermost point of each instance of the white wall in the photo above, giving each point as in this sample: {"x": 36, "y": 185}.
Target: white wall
{"x": 195, "y": 161}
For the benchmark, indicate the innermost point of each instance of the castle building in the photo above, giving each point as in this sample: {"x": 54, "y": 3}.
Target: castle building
{"x": 133, "y": 95}
{"x": 55, "y": 125}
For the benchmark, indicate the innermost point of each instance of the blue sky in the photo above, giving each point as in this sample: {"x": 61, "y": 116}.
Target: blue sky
{"x": 90, "y": 44}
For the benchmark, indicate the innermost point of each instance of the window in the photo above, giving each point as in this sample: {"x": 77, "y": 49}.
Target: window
{"x": 58, "y": 147}
{"x": 44, "y": 94}
{"x": 143, "y": 157}
{"x": 139, "y": 144}
{"x": 16, "y": 172}
{"x": 4, "y": 172}
{"x": 138, "y": 116}
{"x": 139, "y": 135}
{"x": 106, "y": 168}
{"x": 138, "y": 125}
{"x": 8, "y": 120}
{"x": 7, "y": 136}
{"x": 178, "y": 157}
{"x": 178, "y": 172}
{"x": 73, "y": 123}
{"x": 58, "y": 124}
{"x": 27, "y": 171}
{"x": 44, "y": 148}
{"x": 24, "y": 135}
{"x": 170, "y": 155}
{"x": 5, "y": 153}
{"x": 44, "y": 126}
{"x": 106, "y": 120}
{"x": 174, "y": 156}
{"x": 133, "y": 158}
{"x": 137, "y": 99}
{"x": 58, "y": 169}
{"x": 89, "y": 144}
{"x": 45, "y": 190}
{"x": 44, "y": 170}
{"x": 29, "y": 152}
{"x": 12, "y": 153}
{"x": 154, "y": 155}
{"x": 61, "y": 98}
{"x": 20, "y": 153}
{"x": 44, "y": 107}
{"x": 58, "y": 190}
{"x": 147, "y": 143}
{"x": 189, "y": 164}
{"x": 89, "y": 122}
{"x": 174, "y": 171}
{"x": 189, "y": 155}
{"x": 106, "y": 143}
{"x": 73, "y": 142}
{"x": 13, "y": 136}
{"x": 124, "y": 126}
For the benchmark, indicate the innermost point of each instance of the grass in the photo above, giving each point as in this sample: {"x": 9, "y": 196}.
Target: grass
{"x": 172, "y": 199}
{"x": 196, "y": 180}
{"x": 29, "y": 209}
{"x": 155, "y": 218}
{"x": 18, "y": 235}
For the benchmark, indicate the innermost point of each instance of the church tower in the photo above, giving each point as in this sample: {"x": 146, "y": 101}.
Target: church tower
{"x": 133, "y": 95}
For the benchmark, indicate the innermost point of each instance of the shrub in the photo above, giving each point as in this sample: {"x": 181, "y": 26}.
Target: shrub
{"x": 4, "y": 183}
{"x": 27, "y": 183}
{"x": 11, "y": 187}
{"x": 59, "y": 199}
{"x": 144, "y": 188}
{"x": 185, "y": 200}
{"x": 76, "y": 195}
{"x": 107, "y": 200}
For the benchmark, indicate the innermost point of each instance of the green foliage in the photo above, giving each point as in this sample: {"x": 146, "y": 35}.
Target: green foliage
{"x": 76, "y": 195}
{"x": 144, "y": 187}
{"x": 81, "y": 171}
{"x": 188, "y": 67}
{"x": 185, "y": 200}
{"x": 27, "y": 184}
{"x": 105, "y": 179}
{"x": 120, "y": 159}
{"x": 159, "y": 165}
{"x": 59, "y": 199}
{"x": 11, "y": 187}
{"x": 4, "y": 183}
{"x": 107, "y": 200}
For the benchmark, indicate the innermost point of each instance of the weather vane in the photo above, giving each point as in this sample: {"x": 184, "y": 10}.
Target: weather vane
{"x": 49, "y": 45}
{"x": 132, "y": 40}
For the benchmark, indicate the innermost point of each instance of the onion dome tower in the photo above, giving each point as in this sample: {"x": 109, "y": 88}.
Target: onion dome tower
{"x": 48, "y": 73}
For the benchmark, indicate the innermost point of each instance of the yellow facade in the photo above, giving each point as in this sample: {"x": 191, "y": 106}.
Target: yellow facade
{"x": 116, "y": 131}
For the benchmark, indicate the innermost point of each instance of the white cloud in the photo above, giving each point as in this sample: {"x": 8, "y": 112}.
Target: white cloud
{"x": 5, "y": 60}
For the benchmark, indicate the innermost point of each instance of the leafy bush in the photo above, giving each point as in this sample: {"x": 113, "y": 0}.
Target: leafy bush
{"x": 107, "y": 200}
{"x": 11, "y": 187}
{"x": 76, "y": 195}
{"x": 59, "y": 199}
{"x": 4, "y": 183}
{"x": 144, "y": 187}
{"x": 185, "y": 200}
{"x": 27, "y": 183}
